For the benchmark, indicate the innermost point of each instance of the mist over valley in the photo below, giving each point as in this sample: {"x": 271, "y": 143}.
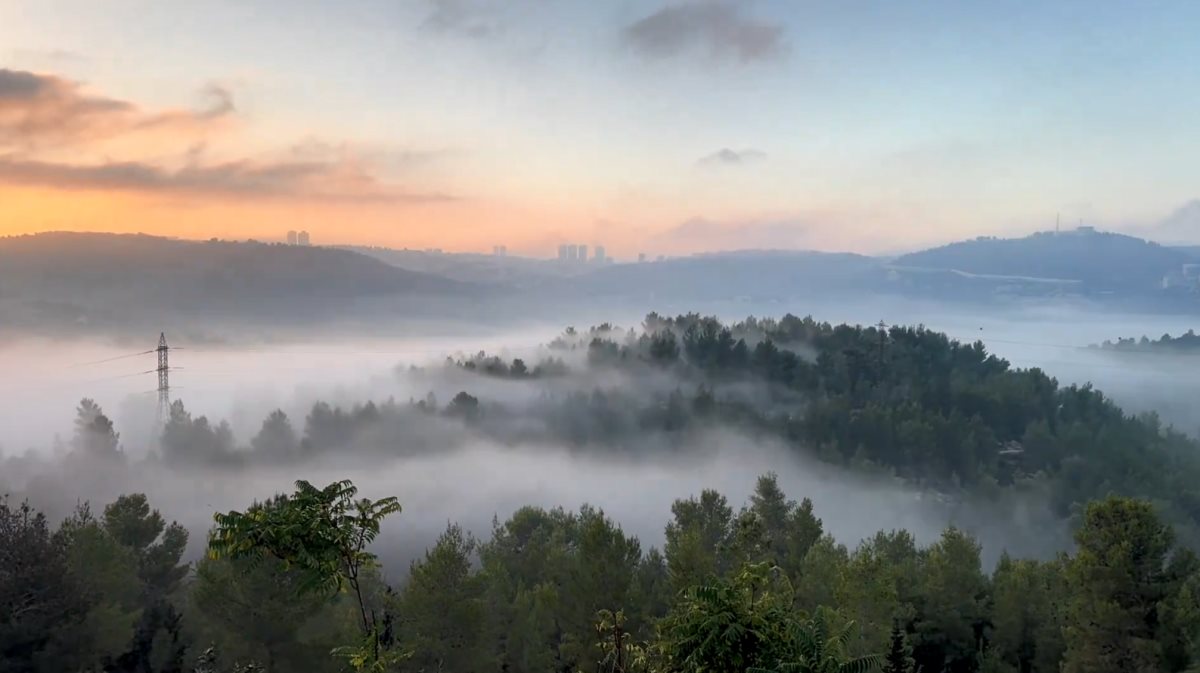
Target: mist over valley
{"x": 539, "y": 439}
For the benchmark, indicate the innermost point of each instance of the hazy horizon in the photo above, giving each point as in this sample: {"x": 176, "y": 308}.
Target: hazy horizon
{"x": 645, "y": 126}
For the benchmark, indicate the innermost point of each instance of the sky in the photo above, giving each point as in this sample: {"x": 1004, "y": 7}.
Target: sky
{"x": 641, "y": 125}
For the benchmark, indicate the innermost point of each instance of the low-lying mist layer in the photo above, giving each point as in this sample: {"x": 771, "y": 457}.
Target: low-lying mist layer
{"x": 899, "y": 427}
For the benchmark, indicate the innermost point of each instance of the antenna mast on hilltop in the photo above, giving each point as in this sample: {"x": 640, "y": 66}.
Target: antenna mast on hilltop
{"x": 164, "y": 384}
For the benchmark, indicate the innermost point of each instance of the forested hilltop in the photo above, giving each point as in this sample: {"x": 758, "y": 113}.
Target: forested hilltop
{"x": 905, "y": 401}
{"x": 1188, "y": 342}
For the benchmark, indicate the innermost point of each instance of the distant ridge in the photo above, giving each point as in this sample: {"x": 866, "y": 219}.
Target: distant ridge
{"x": 741, "y": 274}
{"x": 1098, "y": 260}
{"x": 102, "y": 278}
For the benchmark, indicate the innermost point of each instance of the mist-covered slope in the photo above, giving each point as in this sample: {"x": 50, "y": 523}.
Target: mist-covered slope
{"x": 60, "y": 280}
{"x": 902, "y": 405}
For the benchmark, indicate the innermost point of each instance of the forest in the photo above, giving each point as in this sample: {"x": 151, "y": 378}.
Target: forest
{"x": 903, "y": 401}
{"x": 290, "y": 583}
{"x": 1187, "y": 342}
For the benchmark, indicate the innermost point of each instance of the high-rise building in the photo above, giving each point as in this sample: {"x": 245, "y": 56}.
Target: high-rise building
{"x": 572, "y": 252}
{"x": 562, "y": 252}
{"x": 600, "y": 253}
{"x": 641, "y": 256}
{"x": 291, "y": 238}
{"x": 583, "y": 253}
{"x": 500, "y": 250}
{"x": 302, "y": 238}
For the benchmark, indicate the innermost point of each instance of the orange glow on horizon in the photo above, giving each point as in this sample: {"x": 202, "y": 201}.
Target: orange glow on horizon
{"x": 457, "y": 226}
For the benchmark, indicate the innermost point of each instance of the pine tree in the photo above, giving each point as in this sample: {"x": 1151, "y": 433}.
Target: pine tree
{"x": 898, "y": 658}
{"x": 1116, "y": 583}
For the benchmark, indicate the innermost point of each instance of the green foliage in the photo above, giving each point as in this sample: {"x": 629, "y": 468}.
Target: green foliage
{"x": 953, "y": 609}
{"x": 368, "y": 657}
{"x": 101, "y": 586}
{"x": 787, "y": 530}
{"x": 442, "y": 607}
{"x": 255, "y": 609}
{"x": 899, "y": 657}
{"x": 868, "y": 590}
{"x": 619, "y": 653}
{"x": 157, "y": 546}
{"x": 552, "y": 590}
{"x": 819, "y": 644}
{"x": 819, "y": 574}
{"x": 158, "y": 643}
{"x": 1027, "y": 614}
{"x": 699, "y": 539}
{"x": 106, "y": 574}
{"x": 38, "y": 593}
{"x": 549, "y": 573}
{"x": 730, "y": 625}
{"x": 209, "y": 662}
{"x": 323, "y": 535}
{"x": 1116, "y": 582}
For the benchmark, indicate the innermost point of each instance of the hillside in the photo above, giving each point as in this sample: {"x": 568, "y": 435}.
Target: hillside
{"x": 1192, "y": 251}
{"x": 1100, "y": 261}
{"x": 84, "y": 278}
{"x": 761, "y": 275}
{"x": 521, "y": 272}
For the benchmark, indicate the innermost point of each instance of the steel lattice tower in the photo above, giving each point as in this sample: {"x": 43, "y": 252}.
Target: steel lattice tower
{"x": 164, "y": 385}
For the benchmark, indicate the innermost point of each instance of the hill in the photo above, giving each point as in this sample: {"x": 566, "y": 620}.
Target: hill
{"x": 64, "y": 278}
{"x": 518, "y": 272}
{"x": 759, "y": 275}
{"x": 1099, "y": 261}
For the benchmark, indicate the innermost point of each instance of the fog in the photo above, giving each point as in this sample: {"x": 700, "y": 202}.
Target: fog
{"x": 43, "y": 380}
{"x": 475, "y": 478}
{"x": 474, "y": 484}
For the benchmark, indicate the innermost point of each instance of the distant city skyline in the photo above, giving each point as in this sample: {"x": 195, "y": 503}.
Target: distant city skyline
{"x": 660, "y": 127}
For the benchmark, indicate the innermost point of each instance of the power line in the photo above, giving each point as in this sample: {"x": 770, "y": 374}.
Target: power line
{"x": 112, "y": 359}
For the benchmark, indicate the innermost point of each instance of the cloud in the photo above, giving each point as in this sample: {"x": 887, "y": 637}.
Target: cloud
{"x": 323, "y": 181}
{"x": 730, "y": 157}
{"x": 20, "y": 85}
{"x": 1182, "y": 226}
{"x": 51, "y": 132}
{"x": 459, "y": 17}
{"x": 700, "y": 234}
{"x": 717, "y": 27}
{"x": 37, "y": 110}
{"x": 1185, "y": 218}
{"x": 221, "y": 102}
{"x": 388, "y": 159}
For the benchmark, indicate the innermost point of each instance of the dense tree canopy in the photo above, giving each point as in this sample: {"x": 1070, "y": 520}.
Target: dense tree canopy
{"x": 569, "y": 591}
